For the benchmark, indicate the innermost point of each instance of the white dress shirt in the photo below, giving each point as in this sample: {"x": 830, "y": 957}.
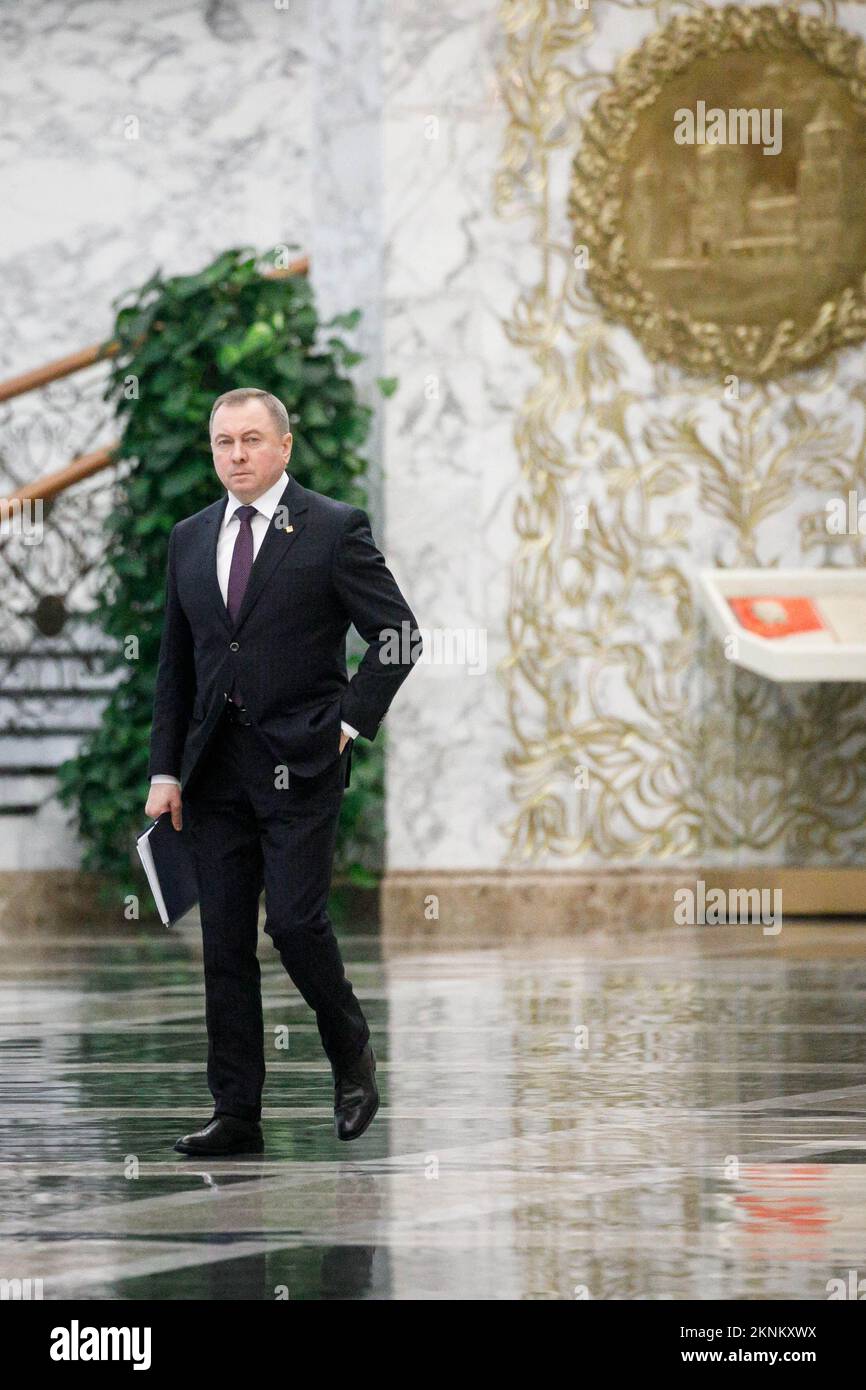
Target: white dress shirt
{"x": 265, "y": 507}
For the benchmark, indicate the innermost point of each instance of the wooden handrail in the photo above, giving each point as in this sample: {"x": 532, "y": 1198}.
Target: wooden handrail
{"x": 53, "y": 483}
{"x": 85, "y": 465}
{"x": 87, "y": 357}
{"x": 54, "y": 371}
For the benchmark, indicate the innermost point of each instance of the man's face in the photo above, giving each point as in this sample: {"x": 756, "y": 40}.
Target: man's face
{"x": 248, "y": 453}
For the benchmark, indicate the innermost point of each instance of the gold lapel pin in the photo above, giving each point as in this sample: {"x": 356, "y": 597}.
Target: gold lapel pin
{"x": 289, "y": 529}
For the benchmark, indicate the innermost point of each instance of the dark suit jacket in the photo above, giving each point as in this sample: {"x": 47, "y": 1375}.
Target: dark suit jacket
{"x": 288, "y": 646}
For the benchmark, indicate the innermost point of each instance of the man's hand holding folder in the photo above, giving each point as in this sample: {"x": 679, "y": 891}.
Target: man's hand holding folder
{"x": 168, "y": 862}
{"x": 164, "y": 796}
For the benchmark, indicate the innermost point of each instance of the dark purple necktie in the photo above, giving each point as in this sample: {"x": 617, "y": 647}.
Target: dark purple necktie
{"x": 242, "y": 563}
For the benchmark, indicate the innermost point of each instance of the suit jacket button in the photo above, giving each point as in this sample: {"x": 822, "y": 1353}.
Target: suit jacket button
{"x": 234, "y": 647}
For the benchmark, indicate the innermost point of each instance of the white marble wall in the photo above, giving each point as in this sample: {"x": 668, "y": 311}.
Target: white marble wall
{"x": 368, "y": 134}
{"x": 220, "y": 90}
{"x": 451, "y": 269}
{"x": 346, "y": 175}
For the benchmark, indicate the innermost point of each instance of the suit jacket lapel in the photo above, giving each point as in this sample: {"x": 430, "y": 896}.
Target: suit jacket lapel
{"x": 285, "y": 526}
{"x": 214, "y": 518}
{"x": 283, "y": 530}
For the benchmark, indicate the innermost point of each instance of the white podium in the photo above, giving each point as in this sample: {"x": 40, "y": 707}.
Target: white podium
{"x": 837, "y": 652}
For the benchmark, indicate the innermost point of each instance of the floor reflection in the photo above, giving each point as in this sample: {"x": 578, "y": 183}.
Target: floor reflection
{"x": 678, "y": 1115}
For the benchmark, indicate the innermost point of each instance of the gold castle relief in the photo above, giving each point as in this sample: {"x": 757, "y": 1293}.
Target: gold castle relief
{"x": 734, "y": 242}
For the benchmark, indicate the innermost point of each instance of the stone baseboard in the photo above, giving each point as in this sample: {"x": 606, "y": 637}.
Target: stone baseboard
{"x": 438, "y": 903}
{"x": 33, "y": 899}
{"x": 554, "y": 902}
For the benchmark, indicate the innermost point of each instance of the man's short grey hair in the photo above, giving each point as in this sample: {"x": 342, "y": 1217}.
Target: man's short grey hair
{"x": 275, "y": 407}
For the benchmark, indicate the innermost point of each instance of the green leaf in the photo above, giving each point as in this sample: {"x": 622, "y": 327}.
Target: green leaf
{"x": 349, "y": 321}
{"x": 177, "y": 483}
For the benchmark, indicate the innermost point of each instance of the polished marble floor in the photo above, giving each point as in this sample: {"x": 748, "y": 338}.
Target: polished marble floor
{"x": 637, "y": 1116}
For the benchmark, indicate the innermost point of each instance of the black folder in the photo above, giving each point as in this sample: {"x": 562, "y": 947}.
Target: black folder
{"x": 167, "y": 859}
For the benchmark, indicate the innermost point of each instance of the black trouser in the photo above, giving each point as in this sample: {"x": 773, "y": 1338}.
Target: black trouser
{"x": 247, "y": 833}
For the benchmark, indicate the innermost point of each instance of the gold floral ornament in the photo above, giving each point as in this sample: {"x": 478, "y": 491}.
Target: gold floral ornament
{"x": 720, "y": 192}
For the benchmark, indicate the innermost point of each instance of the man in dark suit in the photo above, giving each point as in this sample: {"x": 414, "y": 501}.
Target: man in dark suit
{"x": 253, "y": 722}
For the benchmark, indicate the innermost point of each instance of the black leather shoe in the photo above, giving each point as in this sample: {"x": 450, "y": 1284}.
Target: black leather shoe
{"x": 356, "y": 1098}
{"x": 224, "y": 1134}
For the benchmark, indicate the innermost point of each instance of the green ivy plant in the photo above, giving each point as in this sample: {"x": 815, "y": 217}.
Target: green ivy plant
{"x": 182, "y": 341}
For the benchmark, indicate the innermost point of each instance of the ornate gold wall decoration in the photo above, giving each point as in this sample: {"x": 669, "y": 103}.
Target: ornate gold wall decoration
{"x": 718, "y": 256}
{"x": 609, "y": 670}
